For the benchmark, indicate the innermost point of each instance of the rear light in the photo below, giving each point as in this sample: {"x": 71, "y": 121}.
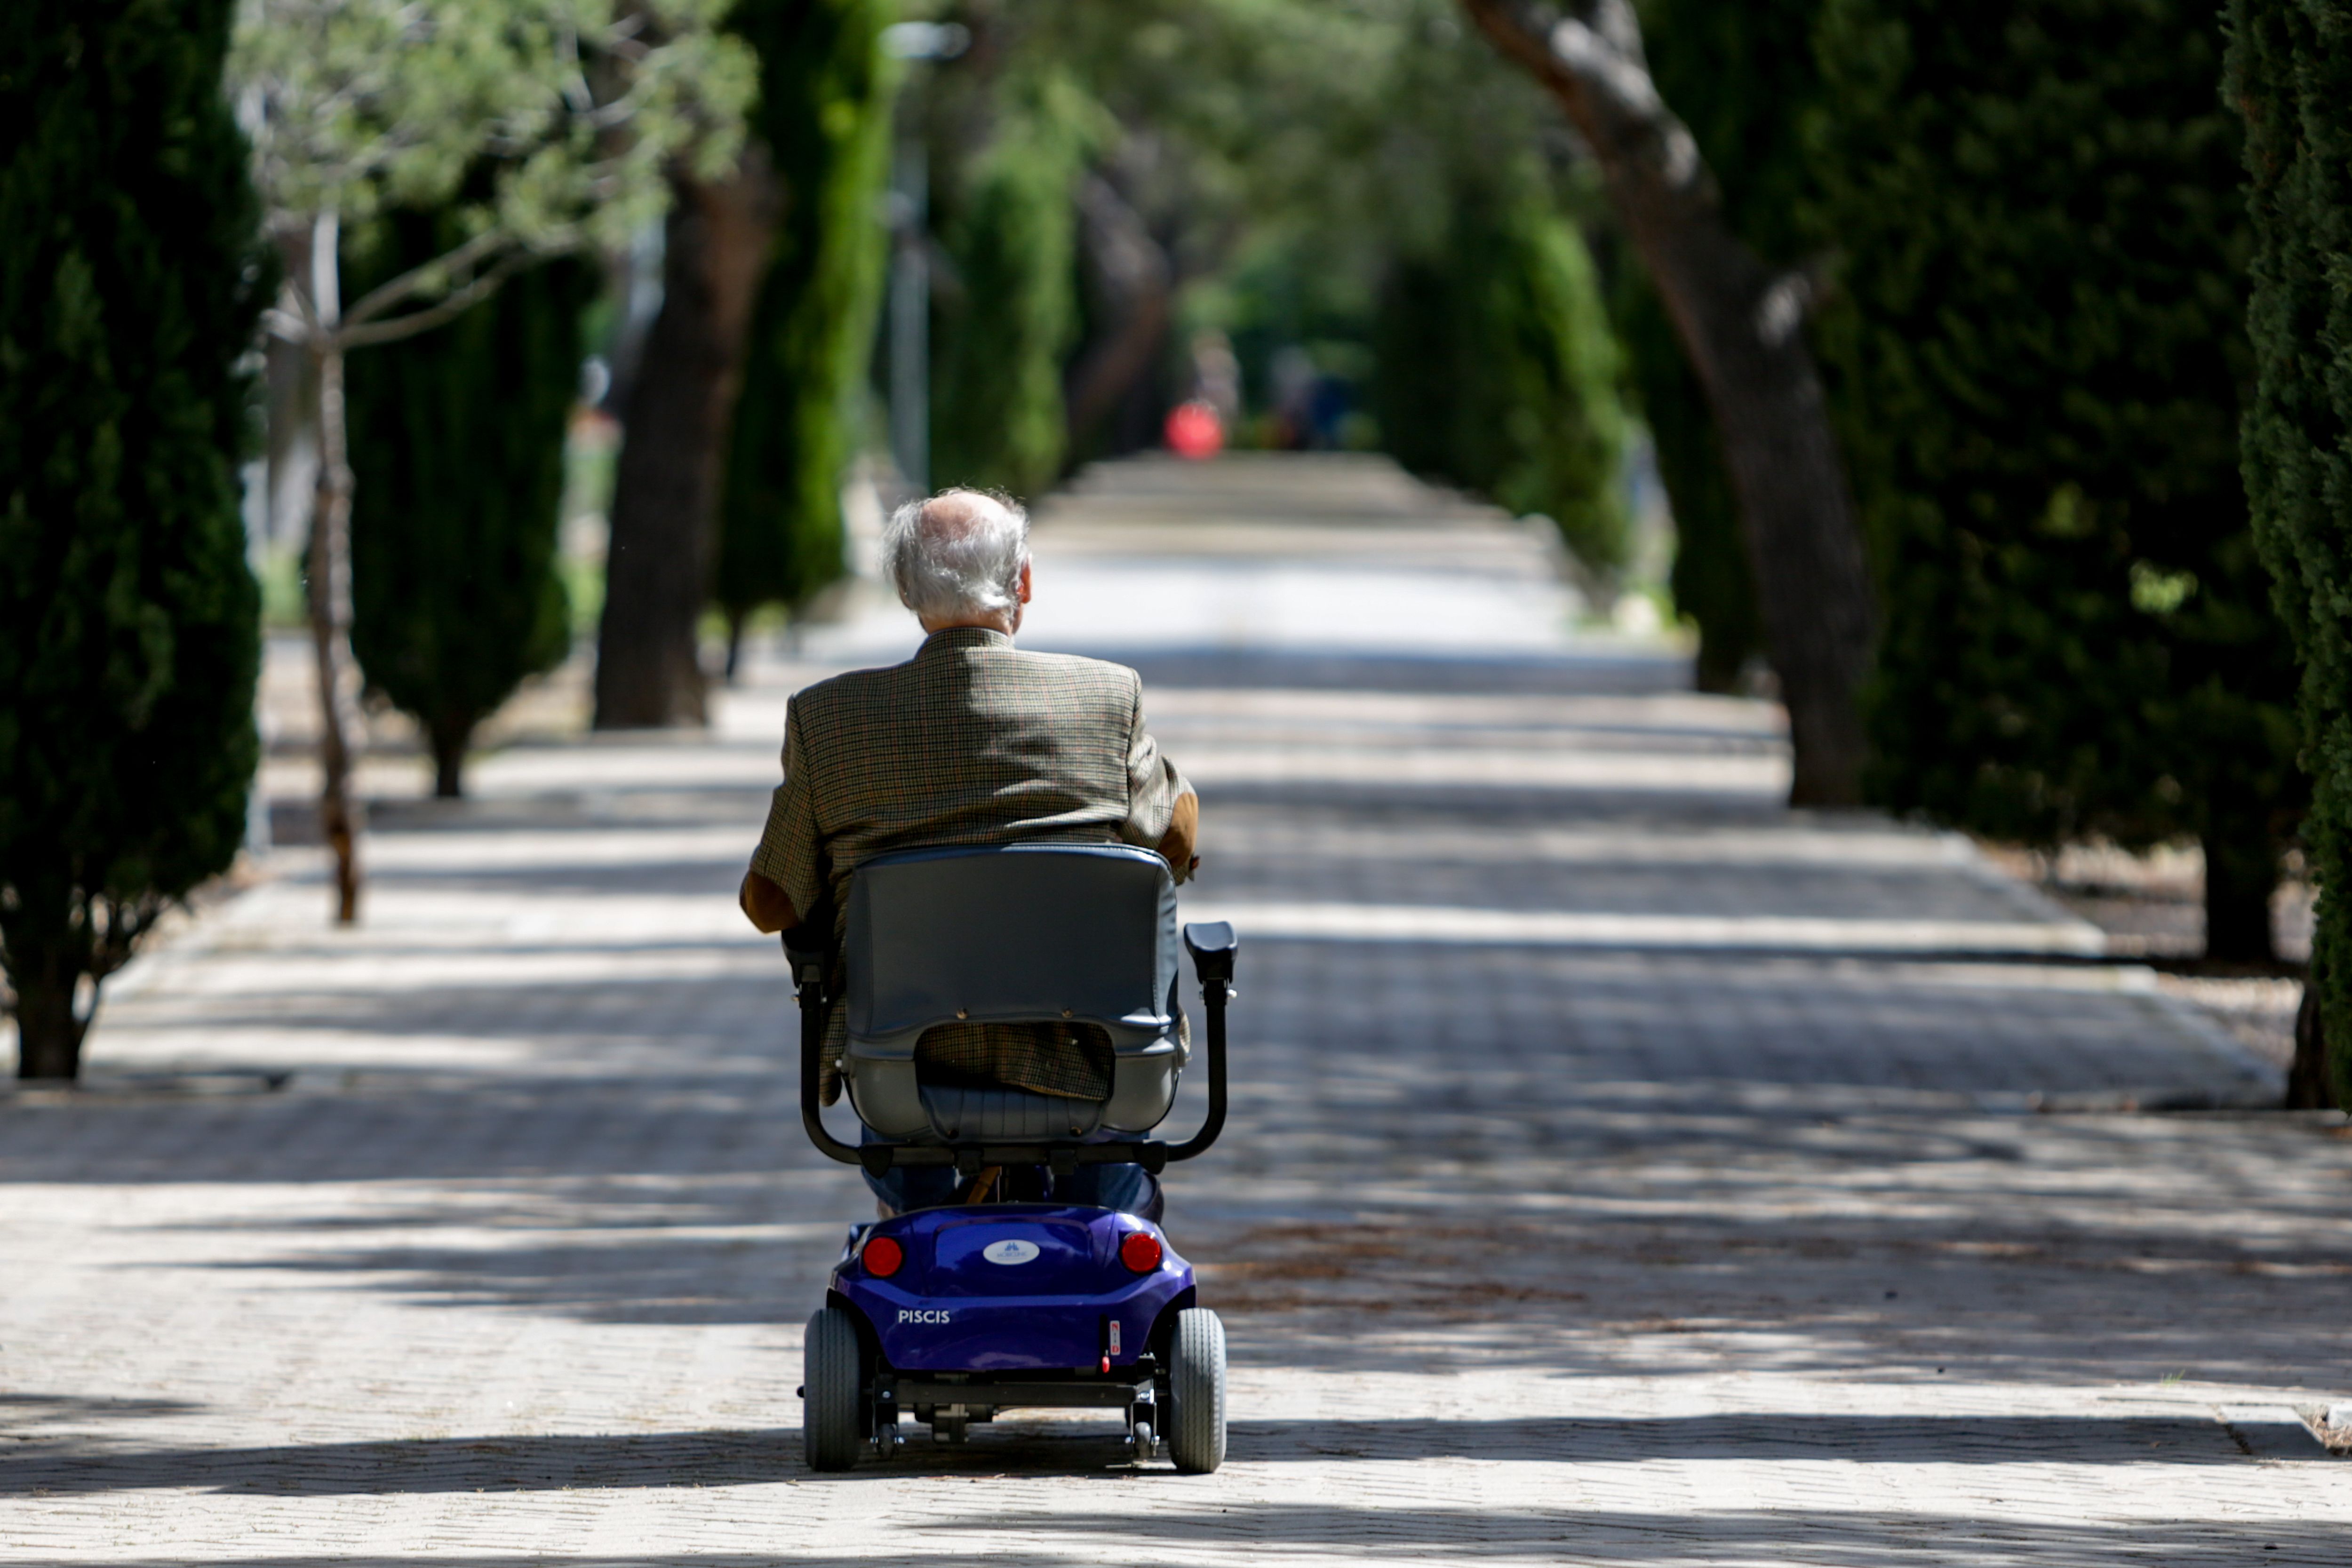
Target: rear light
{"x": 882, "y": 1257}
{"x": 1140, "y": 1252}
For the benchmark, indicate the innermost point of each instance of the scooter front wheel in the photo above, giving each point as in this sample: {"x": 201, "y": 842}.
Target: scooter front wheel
{"x": 833, "y": 1391}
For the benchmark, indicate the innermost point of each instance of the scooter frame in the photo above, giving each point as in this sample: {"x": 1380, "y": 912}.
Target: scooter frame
{"x": 1146, "y": 1379}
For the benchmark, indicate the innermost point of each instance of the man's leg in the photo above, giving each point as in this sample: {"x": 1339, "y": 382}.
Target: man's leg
{"x": 902, "y": 1188}
{"x": 1131, "y": 1189}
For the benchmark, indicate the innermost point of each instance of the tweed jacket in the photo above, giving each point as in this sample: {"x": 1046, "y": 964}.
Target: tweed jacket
{"x": 970, "y": 742}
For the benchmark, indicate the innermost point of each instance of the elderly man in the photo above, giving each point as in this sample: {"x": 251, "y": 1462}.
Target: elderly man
{"x": 970, "y": 742}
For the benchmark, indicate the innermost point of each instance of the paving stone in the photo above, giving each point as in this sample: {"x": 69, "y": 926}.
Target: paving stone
{"x": 1569, "y": 1249}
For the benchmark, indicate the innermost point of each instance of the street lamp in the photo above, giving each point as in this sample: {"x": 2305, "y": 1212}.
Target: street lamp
{"x": 910, "y": 275}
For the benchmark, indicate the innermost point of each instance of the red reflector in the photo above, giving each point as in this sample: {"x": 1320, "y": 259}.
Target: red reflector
{"x": 1140, "y": 1252}
{"x": 882, "y": 1257}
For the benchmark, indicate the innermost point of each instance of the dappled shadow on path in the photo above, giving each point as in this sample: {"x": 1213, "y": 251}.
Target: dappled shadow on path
{"x": 1595, "y": 672}
{"x": 1858, "y": 1538}
{"x": 1803, "y": 1538}
{"x": 1388, "y": 1222}
{"x": 506, "y": 1463}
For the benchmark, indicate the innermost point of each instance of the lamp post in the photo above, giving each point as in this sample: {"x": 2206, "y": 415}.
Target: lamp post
{"x": 910, "y": 272}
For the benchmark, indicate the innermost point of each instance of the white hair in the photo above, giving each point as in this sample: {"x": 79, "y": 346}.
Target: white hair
{"x": 959, "y": 553}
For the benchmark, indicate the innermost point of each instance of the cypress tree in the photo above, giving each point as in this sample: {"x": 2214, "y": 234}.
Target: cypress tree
{"x": 2290, "y": 72}
{"x": 2038, "y": 355}
{"x": 456, "y": 448}
{"x": 1496, "y": 368}
{"x": 131, "y": 280}
{"x": 1711, "y": 579}
{"x": 824, "y": 115}
{"x": 1001, "y": 333}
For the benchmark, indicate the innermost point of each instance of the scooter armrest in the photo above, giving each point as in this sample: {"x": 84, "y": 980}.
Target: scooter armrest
{"x": 1212, "y": 944}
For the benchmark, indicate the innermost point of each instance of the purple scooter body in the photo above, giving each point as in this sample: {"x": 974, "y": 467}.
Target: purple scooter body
{"x": 1012, "y": 1288}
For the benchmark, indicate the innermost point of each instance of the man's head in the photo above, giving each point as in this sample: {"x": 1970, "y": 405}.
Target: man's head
{"x": 960, "y": 559}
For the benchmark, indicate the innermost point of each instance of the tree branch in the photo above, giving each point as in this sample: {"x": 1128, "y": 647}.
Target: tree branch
{"x": 460, "y": 261}
{"x": 449, "y": 306}
{"x": 1597, "y": 72}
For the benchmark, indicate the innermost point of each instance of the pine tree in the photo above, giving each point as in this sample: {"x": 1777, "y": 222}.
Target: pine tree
{"x": 456, "y": 444}
{"x": 130, "y": 279}
{"x": 824, "y": 115}
{"x": 2038, "y": 354}
{"x": 1498, "y": 370}
{"x": 2291, "y": 78}
{"x": 545, "y": 129}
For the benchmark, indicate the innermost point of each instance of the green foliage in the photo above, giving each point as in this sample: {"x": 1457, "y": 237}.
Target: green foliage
{"x": 824, "y": 114}
{"x": 2291, "y": 78}
{"x": 1003, "y": 331}
{"x": 1741, "y": 76}
{"x": 1496, "y": 368}
{"x": 579, "y": 108}
{"x": 1368, "y": 183}
{"x": 457, "y": 441}
{"x": 1285, "y": 156}
{"x": 130, "y": 277}
{"x": 2039, "y": 354}
{"x": 1233, "y": 122}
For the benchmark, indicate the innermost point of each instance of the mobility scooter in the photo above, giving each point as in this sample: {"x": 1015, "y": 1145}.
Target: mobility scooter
{"x": 958, "y": 1311}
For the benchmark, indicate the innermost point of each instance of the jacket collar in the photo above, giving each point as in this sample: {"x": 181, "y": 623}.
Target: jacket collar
{"x": 949, "y": 638}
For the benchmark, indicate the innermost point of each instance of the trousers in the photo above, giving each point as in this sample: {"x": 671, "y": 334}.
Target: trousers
{"x": 1128, "y": 1188}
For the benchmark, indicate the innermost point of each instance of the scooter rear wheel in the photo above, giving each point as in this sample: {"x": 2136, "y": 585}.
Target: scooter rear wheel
{"x": 1196, "y": 1392}
{"x": 833, "y": 1391}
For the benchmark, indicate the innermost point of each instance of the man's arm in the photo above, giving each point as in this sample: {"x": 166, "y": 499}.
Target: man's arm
{"x": 1162, "y": 811}
{"x": 783, "y": 880}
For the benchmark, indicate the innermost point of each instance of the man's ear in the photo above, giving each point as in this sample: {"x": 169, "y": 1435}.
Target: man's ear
{"x": 1022, "y": 590}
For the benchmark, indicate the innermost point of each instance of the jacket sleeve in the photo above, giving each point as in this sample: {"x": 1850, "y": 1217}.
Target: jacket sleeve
{"x": 1154, "y": 784}
{"x": 792, "y": 851}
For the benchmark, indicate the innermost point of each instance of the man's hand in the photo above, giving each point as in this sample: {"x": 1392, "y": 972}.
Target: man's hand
{"x": 766, "y": 905}
{"x": 1177, "y": 844}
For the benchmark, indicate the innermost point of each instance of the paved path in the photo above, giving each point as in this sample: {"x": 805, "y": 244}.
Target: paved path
{"x": 1623, "y": 1170}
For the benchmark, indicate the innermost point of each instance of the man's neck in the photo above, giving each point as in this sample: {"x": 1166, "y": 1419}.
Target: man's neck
{"x": 1001, "y": 624}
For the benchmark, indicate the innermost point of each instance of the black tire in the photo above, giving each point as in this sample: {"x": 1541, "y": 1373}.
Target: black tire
{"x": 833, "y": 1394}
{"x": 1196, "y": 1392}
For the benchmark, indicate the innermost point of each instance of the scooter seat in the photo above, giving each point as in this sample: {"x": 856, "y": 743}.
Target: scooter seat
{"x": 1063, "y": 933}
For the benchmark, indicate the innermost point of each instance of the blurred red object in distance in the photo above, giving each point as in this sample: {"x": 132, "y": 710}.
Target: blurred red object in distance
{"x": 1194, "y": 430}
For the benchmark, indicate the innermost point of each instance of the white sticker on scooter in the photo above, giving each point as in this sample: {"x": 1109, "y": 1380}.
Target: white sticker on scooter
{"x": 1010, "y": 1250}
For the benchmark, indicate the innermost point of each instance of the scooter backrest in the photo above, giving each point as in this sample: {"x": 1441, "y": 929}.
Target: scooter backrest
{"x": 1010, "y": 933}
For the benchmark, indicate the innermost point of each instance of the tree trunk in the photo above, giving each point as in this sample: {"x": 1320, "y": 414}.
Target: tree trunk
{"x": 330, "y": 603}
{"x": 2308, "y": 1087}
{"x": 1133, "y": 278}
{"x": 1742, "y": 326}
{"x": 2240, "y": 870}
{"x": 665, "y": 491}
{"x": 313, "y": 271}
{"x": 48, "y": 1032}
{"x": 329, "y": 572}
{"x": 449, "y": 742}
